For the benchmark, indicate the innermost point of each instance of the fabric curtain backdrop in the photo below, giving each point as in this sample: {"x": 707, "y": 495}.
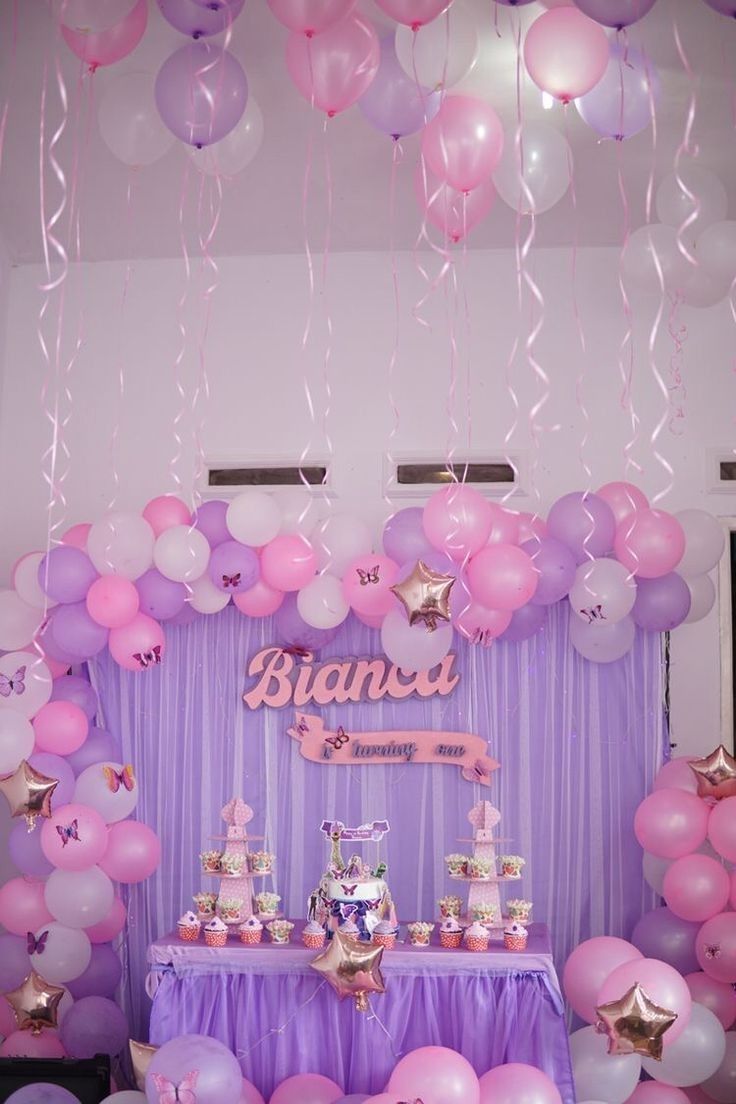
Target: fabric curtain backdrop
{"x": 579, "y": 745}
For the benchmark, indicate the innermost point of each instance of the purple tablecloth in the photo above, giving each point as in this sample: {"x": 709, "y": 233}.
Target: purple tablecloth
{"x": 281, "y": 1018}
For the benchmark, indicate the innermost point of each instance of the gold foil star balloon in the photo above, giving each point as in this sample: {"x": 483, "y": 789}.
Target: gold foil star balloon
{"x": 28, "y": 793}
{"x": 352, "y": 968}
{"x": 425, "y": 595}
{"x": 634, "y": 1024}
{"x": 716, "y": 774}
{"x": 35, "y": 1003}
{"x": 141, "y": 1055}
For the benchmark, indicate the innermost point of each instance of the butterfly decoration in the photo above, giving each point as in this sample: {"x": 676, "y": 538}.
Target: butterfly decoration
{"x": 594, "y": 613}
{"x": 302, "y": 727}
{"x": 713, "y": 950}
{"x": 346, "y": 911}
{"x": 68, "y": 832}
{"x": 115, "y": 779}
{"x": 296, "y": 651}
{"x": 36, "y": 946}
{"x": 349, "y": 890}
{"x": 370, "y": 576}
{"x": 231, "y": 580}
{"x": 183, "y": 1093}
{"x": 482, "y": 637}
{"x": 341, "y": 737}
{"x": 14, "y": 684}
{"x": 150, "y": 658}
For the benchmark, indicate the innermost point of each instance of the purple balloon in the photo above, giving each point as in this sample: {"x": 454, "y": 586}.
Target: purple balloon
{"x": 102, "y": 976}
{"x": 620, "y": 105}
{"x": 525, "y": 622}
{"x": 25, "y": 852}
{"x": 99, "y": 747}
{"x": 160, "y": 598}
{"x": 234, "y": 567}
{"x": 15, "y": 965}
{"x": 78, "y": 690}
{"x": 93, "y": 1025}
{"x": 219, "y": 1080}
{"x": 293, "y": 630}
{"x": 661, "y": 934}
{"x": 185, "y": 616}
{"x": 403, "y": 536}
{"x": 74, "y": 631}
{"x": 725, "y": 7}
{"x": 585, "y": 523}
{"x": 661, "y": 604}
{"x": 197, "y": 21}
{"x": 55, "y": 766}
{"x": 66, "y": 573}
{"x": 556, "y": 566}
{"x": 42, "y": 1092}
{"x": 210, "y": 520}
{"x": 354, "y": 1098}
{"x": 48, "y": 642}
{"x": 394, "y": 103}
{"x": 616, "y": 13}
{"x": 201, "y": 92}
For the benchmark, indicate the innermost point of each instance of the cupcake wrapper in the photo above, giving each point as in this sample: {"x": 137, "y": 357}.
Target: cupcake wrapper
{"x": 314, "y": 942}
{"x": 386, "y": 941}
{"x": 215, "y": 939}
{"x": 419, "y": 941}
{"x": 514, "y": 942}
{"x": 189, "y": 935}
{"x": 474, "y": 944}
{"x": 451, "y": 939}
{"x": 250, "y": 937}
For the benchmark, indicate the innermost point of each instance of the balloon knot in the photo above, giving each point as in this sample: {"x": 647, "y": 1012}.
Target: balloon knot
{"x": 415, "y": 27}
{"x": 309, "y": 34}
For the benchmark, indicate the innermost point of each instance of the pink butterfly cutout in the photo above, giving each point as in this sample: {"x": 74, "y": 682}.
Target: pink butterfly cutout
{"x": 341, "y": 737}
{"x": 68, "y": 832}
{"x": 147, "y": 659}
{"x": 116, "y": 779}
{"x": 183, "y": 1093}
{"x": 13, "y": 684}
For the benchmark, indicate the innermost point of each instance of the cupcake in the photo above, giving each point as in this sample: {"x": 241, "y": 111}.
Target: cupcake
{"x": 267, "y": 904}
{"x": 349, "y": 927}
{"x": 280, "y": 930}
{"x": 384, "y": 934}
{"x": 456, "y": 865}
{"x": 210, "y": 861}
{"x": 519, "y": 910}
{"x": 511, "y": 865}
{"x": 477, "y": 937}
{"x": 479, "y": 868}
{"x": 451, "y": 905}
{"x": 250, "y": 931}
{"x": 313, "y": 935}
{"x": 232, "y": 864}
{"x": 215, "y": 933}
{"x": 419, "y": 933}
{"x": 451, "y": 933}
{"x": 205, "y": 903}
{"x": 260, "y": 862}
{"x": 484, "y": 913}
{"x": 515, "y": 937}
{"x": 230, "y": 908}
{"x": 188, "y": 926}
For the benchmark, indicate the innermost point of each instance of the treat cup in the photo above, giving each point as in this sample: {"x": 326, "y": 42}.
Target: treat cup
{"x": 484, "y": 914}
{"x": 250, "y": 936}
{"x": 205, "y": 903}
{"x": 520, "y": 911}
{"x": 232, "y": 864}
{"x": 450, "y": 906}
{"x": 511, "y": 866}
{"x": 280, "y": 930}
{"x": 479, "y": 868}
{"x": 210, "y": 861}
{"x": 388, "y": 940}
{"x": 267, "y": 903}
{"x": 230, "y": 908}
{"x": 476, "y": 942}
{"x": 260, "y": 862}
{"x": 515, "y": 942}
{"x": 313, "y": 940}
{"x": 419, "y": 933}
{"x": 215, "y": 938}
{"x": 188, "y": 932}
{"x": 456, "y": 865}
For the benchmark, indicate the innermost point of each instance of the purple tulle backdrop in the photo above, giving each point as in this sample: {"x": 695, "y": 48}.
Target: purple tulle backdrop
{"x": 579, "y": 745}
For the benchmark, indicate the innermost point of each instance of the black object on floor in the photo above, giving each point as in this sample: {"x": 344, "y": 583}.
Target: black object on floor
{"x": 87, "y": 1078}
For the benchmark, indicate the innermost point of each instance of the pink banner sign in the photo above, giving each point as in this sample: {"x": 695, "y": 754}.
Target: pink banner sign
{"x": 360, "y": 749}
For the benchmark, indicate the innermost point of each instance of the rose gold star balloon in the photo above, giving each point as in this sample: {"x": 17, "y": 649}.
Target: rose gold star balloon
{"x": 716, "y": 774}
{"x": 141, "y": 1055}
{"x": 425, "y": 595}
{"x": 35, "y": 1003}
{"x": 352, "y": 968}
{"x": 634, "y": 1024}
{"x": 28, "y": 793}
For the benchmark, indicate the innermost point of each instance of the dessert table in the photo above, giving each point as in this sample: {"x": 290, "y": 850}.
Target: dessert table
{"x": 280, "y": 1017}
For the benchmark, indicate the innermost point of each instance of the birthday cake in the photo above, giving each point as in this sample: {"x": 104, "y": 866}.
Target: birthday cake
{"x": 352, "y": 891}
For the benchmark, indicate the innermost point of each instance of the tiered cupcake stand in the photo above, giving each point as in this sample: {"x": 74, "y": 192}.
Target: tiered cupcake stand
{"x": 237, "y": 815}
{"x": 484, "y": 891}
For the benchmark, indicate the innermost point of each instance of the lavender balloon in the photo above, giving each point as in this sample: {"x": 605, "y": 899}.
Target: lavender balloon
{"x": 48, "y": 642}
{"x": 93, "y": 1025}
{"x": 556, "y": 566}
{"x": 219, "y": 1078}
{"x": 525, "y": 623}
{"x": 660, "y": 934}
{"x": 201, "y": 93}
{"x": 102, "y": 976}
{"x": 615, "y": 13}
{"x": 662, "y": 603}
{"x": 58, "y": 767}
{"x": 14, "y": 961}
{"x": 160, "y": 598}
{"x": 210, "y": 520}
{"x": 78, "y": 690}
{"x": 621, "y": 103}
{"x": 725, "y": 7}
{"x": 394, "y": 103}
{"x": 74, "y": 631}
{"x": 198, "y": 21}
{"x": 585, "y": 523}
{"x": 99, "y": 747}
{"x": 403, "y": 536}
{"x": 292, "y": 629}
{"x": 234, "y": 567}
{"x": 66, "y": 574}
{"x": 42, "y": 1092}
{"x": 25, "y": 852}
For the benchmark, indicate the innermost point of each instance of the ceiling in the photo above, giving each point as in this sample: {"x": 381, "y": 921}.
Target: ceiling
{"x": 261, "y": 208}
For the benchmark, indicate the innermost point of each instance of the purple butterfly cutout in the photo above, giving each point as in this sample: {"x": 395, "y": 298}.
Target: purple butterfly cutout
{"x": 367, "y": 577}
{"x": 594, "y": 613}
{"x": 68, "y": 832}
{"x": 349, "y": 890}
{"x": 231, "y": 580}
{"x": 14, "y": 684}
{"x": 36, "y": 946}
{"x": 150, "y": 658}
{"x": 341, "y": 737}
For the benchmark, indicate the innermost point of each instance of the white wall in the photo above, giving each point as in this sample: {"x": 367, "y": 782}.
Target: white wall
{"x": 257, "y": 405}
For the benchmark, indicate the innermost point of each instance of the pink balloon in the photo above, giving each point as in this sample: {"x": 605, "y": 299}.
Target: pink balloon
{"x": 436, "y": 1075}
{"x": 671, "y": 823}
{"x": 310, "y": 17}
{"x": 715, "y": 947}
{"x": 457, "y": 520}
{"x": 133, "y": 852}
{"x": 413, "y": 13}
{"x": 722, "y": 828}
{"x": 696, "y": 887}
{"x": 660, "y": 982}
{"x": 77, "y": 535}
{"x": 111, "y": 926}
{"x": 134, "y": 646}
{"x": 715, "y": 995}
{"x": 516, "y": 1083}
{"x": 107, "y": 47}
{"x": 531, "y": 526}
{"x": 566, "y": 54}
{"x": 166, "y": 510}
{"x": 74, "y": 837}
{"x": 505, "y": 525}
{"x": 587, "y": 968}
{"x": 464, "y": 142}
{"x": 24, "y": 1044}
{"x": 23, "y": 906}
{"x": 384, "y": 1098}
{"x": 371, "y": 622}
{"x": 260, "y": 600}
{"x": 366, "y": 584}
{"x": 307, "y": 1088}
{"x": 623, "y": 498}
{"x": 650, "y": 543}
{"x": 112, "y": 601}
{"x": 60, "y": 727}
{"x": 677, "y": 775}
{"x": 288, "y": 562}
{"x": 480, "y": 625}
{"x": 453, "y": 213}
{"x": 653, "y": 1092}
{"x": 502, "y": 576}
{"x": 249, "y": 1094}
{"x": 335, "y": 68}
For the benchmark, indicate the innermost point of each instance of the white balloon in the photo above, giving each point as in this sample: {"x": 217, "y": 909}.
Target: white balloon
{"x": 602, "y": 642}
{"x": 722, "y": 1085}
{"x": 91, "y": 15}
{"x": 19, "y": 622}
{"x": 546, "y": 160}
{"x": 648, "y": 247}
{"x": 205, "y": 597}
{"x": 121, "y": 544}
{"x": 25, "y": 669}
{"x": 321, "y": 602}
{"x": 444, "y": 51}
{"x": 604, "y": 583}
{"x": 130, "y": 124}
{"x": 702, "y": 597}
{"x": 16, "y": 739}
{"x": 704, "y": 542}
{"x": 298, "y": 510}
{"x": 236, "y": 150}
{"x": 707, "y": 199}
{"x": 66, "y": 953}
{"x": 700, "y": 289}
{"x": 716, "y": 251}
{"x": 598, "y": 1074}
{"x": 128, "y": 1096}
{"x": 338, "y": 540}
{"x": 253, "y": 518}
{"x": 93, "y": 789}
{"x": 25, "y": 581}
{"x": 181, "y": 553}
{"x": 695, "y": 1054}
{"x": 79, "y": 898}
